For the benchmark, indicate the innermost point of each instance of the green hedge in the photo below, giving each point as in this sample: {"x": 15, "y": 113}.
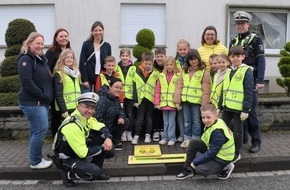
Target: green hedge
{"x": 18, "y": 30}
{"x": 146, "y": 38}
{"x": 9, "y": 66}
{"x": 9, "y": 84}
{"x": 138, "y": 50}
{"x": 8, "y": 99}
{"x": 13, "y": 50}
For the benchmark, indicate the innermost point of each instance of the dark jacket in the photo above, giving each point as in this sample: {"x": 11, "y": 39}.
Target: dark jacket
{"x": 217, "y": 140}
{"x": 52, "y": 57}
{"x": 255, "y": 56}
{"x": 108, "y": 108}
{"x": 87, "y": 67}
{"x": 248, "y": 85}
{"x": 36, "y": 81}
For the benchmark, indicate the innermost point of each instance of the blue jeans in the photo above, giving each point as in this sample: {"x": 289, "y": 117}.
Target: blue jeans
{"x": 192, "y": 125}
{"x": 169, "y": 125}
{"x": 38, "y": 120}
{"x": 180, "y": 121}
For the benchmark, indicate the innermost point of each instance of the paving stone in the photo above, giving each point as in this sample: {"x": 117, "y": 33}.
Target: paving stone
{"x": 141, "y": 178}
{"x": 5, "y": 182}
{"x": 30, "y": 182}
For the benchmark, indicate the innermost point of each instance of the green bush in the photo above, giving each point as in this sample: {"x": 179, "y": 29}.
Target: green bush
{"x": 13, "y": 50}
{"x": 138, "y": 50}
{"x": 9, "y": 84}
{"x": 9, "y": 66}
{"x": 146, "y": 38}
{"x": 284, "y": 68}
{"x": 8, "y": 99}
{"x": 18, "y": 30}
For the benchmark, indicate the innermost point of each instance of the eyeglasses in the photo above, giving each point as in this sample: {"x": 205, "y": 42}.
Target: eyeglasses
{"x": 89, "y": 107}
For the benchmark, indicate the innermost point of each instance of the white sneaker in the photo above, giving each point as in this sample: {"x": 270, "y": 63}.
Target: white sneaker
{"x": 147, "y": 138}
{"x": 129, "y": 136}
{"x": 135, "y": 139}
{"x": 184, "y": 144}
{"x": 42, "y": 165}
{"x": 163, "y": 141}
{"x": 171, "y": 143}
{"x": 124, "y": 136}
{"x": 156, "y": 136}
{"x": 180, "y": 139}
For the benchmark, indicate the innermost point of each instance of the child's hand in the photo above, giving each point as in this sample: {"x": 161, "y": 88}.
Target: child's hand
{"x": 135, "y": 105}
{"x": 178, "y": 107}
{"x": 157, "y": 106}
{"x": 244, "y": 116}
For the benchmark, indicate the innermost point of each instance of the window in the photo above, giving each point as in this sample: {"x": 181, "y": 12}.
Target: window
{"x": 42, "y": 16}
{"x": 135, "y": 17}
{"x": 270, "y": 25}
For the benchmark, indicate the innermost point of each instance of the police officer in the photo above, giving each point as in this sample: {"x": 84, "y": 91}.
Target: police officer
{"x": 254, "y": 57}
{"x": 81, "y": 136}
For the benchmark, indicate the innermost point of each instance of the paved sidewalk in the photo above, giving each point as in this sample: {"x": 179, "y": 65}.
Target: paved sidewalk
{"x": 274, "y": 155}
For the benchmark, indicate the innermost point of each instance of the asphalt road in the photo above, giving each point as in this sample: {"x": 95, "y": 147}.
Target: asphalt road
{"x": 277, "y": 182}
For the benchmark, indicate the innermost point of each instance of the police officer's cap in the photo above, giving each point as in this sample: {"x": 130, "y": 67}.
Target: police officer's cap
{"x": 89, "y": 98}
{"x": 241, "y": 16}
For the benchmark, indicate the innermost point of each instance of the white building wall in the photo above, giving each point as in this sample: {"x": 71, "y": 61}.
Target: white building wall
{"x": 185, "y": 19}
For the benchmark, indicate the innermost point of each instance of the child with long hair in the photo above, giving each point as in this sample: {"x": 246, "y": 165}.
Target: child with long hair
{"x": 183, "y": 47}
{"x": 164, "y": 92}
{"x": 66, "y": 79}
{"x": 223, "y": 64}
{"x": 193, "y": 90}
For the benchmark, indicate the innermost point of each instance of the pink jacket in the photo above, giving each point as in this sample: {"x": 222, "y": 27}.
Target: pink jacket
{"x": 158, "y": 93}
{"x": 205, "y": 88}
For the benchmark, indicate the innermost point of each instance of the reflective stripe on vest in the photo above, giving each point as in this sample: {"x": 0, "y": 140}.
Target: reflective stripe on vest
{"x": 127, "y": 81}
{"x": 233, "y": 89}
{"x": 146, "y": 90}
{"x": 71, "y": 90}
{"x": 167, "y": 90}
{"x": 104, "y": 80}
{"x": 192, "y": 89}
{"x": 227, "y": 151}
{"x": 216, "y": 91}
{"x": 245, "y": 41}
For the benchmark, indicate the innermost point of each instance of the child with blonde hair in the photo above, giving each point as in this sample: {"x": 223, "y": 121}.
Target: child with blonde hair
{"x": 164, "y": 92}
{"x": 66, "y": 80}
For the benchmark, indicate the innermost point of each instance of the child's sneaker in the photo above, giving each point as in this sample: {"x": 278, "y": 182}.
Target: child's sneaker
{"x": 163, "y": 141}
{"x": 225, "y": 174}
{"x": 236, "y": 158}
{"x": 129, "y": 136}
{"x": 124, "y": 136}
{"x": 184, "y": 144}
{"x": 119, "y": 146}
{"x": 135, "y": 139}
{"x": 147, "y": 138}
{"x": 171, "y": 143}
{"x": 156, "y": 136}
{"x": 185, "y": 174}
{"x": 180, "y": 139}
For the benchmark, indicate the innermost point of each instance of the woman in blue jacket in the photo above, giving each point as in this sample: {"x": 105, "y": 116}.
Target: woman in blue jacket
{"x": 92, "y": 58}
{"x": 35, "y": 95}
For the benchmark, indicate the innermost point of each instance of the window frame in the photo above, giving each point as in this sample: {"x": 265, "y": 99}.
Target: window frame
{"x": 232, "y": 9}
{"x": 160, "y": 34}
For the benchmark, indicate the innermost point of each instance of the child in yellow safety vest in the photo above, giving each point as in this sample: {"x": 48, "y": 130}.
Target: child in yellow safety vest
{"x": 192, "y": 91}
{"x": 223, "y": 64}
{"x": 66, "y": 79}
{"x": 143, "y": 96}
{"x": 126, "y": 71}
{"x": 237, "y": 95}
{"x": 105, "y": 77}
{"x": 164, "y": 92}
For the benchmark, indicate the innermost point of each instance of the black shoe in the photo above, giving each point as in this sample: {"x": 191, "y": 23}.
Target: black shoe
{"x": 66, "y": 182}
{"x": 185, "y": 174}
{"x": 119, "y": 146}
{"x": 225, "y": 174}
{"x": 103, "y": 177}
{"x": 254, "y": 148}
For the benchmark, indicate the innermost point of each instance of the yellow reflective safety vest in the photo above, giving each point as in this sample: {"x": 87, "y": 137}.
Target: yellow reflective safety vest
{"x": 146, "y": 90}
{"x": 127, "y": 81}
{"x": 192, "y": 88}
{"x": 167, "y": 90}
{"x": 233, "y": 89}
{"x": 71, "y": 91}
{"x": 178, "y": 65}
{"x": 216, "y": 91}
{"x": 245, "y": 41}
{"x": 104, "y": 80}
{"x": 227, "y": 151}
